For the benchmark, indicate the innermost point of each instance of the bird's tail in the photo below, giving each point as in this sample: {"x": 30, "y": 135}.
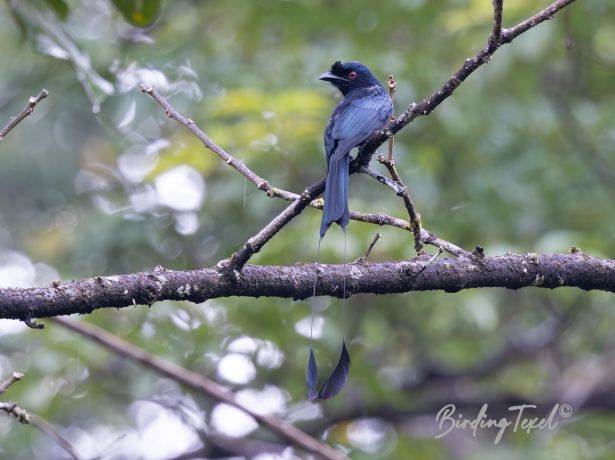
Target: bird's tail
{"x": 336, "y": 195}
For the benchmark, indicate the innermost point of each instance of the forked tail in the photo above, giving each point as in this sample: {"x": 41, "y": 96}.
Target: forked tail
{"x": 336, "y": 195}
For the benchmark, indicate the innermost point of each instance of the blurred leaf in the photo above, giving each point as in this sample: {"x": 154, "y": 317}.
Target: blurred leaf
{"x": 139, "y": 13}
{"x": 60, "y": 7}
{"x": 186, "y": 150}
{"x": 55, "y": 38}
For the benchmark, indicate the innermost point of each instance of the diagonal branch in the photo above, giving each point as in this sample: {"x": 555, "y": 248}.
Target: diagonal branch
{"x": 428, "y": 237}
{"x": 51, "y": 431}
{"x": 33, "y": 101}
{"x": 427, "y": 105}
{"x": 199, "y": 383}
{"x": 510, "y": 271}
{"x": 508, "y": 35}
{"x": 230, "y": 160}
{"x": 254, "y": 244}
{"x": 243, "y": 255}
{"x": 398, "y": 188}
{"x": 15, "y": 377}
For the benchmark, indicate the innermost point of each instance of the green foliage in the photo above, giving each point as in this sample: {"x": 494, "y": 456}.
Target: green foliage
{"x": 139, "y": 13}
{"x": 59, "y": 7}
{"x": 518, "y": 159}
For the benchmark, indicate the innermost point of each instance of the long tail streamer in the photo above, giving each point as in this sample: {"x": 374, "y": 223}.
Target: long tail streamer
{"x": 337, "y": 380}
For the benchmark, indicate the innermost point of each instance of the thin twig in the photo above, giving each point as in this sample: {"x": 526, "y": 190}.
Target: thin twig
{"x": 198, "y": 382}
{"x": 378, "y": 219}
{"x": 369, "y": 218}
{"x": 14, "y": 121}
{"x": 16, "y": 377}
{"x": 254, "y": 244}
{"x": 392, "y": 85}
{"x": 496, "y": 31}
{"x": 428, "y": 237}
{"x": 431, "y": 260}
{"x": 26, "y": 418}
{"x": 239, "y": 258}
{"x": 415, "y": 217}
{"x": 393, "y": 185}
{"x": 51, "y": 431}
{"x": 389, "y": 162}
{"x": 16, "y": 411}
{"x": 364, "y": 257}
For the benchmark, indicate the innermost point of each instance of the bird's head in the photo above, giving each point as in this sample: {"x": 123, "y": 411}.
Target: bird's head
{"x": 347, "y": 76}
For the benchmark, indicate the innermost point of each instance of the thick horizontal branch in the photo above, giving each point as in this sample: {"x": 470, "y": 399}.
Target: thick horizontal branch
{"x": 296, "y": 282}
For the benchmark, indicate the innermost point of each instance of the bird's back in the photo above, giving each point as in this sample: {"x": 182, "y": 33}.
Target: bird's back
{"x": 357, "y": 116}
{"x": 360, "y": 113}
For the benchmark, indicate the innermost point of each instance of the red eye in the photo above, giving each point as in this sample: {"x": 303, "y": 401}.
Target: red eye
{"x": 352, "y": 75}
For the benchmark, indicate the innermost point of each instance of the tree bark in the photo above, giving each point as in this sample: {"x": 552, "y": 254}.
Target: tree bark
{"x": 511, "y": 271}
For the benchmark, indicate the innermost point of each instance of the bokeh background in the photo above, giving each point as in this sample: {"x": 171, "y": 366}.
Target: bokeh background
{"x": 98, "y": 181}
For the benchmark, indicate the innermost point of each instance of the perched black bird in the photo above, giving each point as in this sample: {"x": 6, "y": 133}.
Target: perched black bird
{"x": 365, "y": 108}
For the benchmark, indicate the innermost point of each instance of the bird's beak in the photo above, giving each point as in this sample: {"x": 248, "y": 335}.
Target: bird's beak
{"x": 330, "y": 76}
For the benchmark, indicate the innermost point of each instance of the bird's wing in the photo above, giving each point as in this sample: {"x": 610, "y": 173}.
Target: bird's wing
{"x": 359, "y": 118}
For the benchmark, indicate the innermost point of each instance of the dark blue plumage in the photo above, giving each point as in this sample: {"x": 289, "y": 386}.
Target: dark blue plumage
{"x": 365, "y": 108}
